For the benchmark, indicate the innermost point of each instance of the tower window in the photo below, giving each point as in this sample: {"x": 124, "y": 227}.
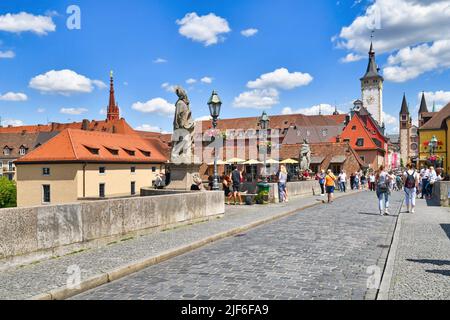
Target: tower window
{"x": 360, "y": 142}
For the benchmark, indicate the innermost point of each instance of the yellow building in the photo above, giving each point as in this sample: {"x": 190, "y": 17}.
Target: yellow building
{"x": 79, "y": 164}
{"x": 438, "y": 126}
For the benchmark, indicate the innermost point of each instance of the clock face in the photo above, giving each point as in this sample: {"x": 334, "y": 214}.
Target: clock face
{"x": 370, "y": 100}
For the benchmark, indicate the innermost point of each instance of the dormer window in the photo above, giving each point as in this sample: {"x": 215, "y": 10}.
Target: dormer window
{"x": 22, "y": 151}
{"x": 130, "y": 152}
{"x": 93, "y": 150}
{"x": 7, "y": 151}
{"x": 146, "y": 153}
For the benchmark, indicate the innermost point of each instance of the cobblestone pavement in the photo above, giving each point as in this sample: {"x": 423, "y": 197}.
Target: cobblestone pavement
{"x": 319, "y": 253}
{"x": 422, "y": 261}
{"x": 40, "y": 277}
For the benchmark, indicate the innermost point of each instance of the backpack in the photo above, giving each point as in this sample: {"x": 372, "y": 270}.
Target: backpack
{"x": 382, "y": 184}
{"x": 410, "y": 182}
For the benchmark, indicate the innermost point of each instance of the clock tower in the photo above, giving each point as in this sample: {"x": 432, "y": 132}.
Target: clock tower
{"x": 372, "y": 89}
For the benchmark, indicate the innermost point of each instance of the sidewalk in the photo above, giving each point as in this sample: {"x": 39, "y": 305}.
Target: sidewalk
{"x": 421, "y": 258}
{"x": 47, "y": 279}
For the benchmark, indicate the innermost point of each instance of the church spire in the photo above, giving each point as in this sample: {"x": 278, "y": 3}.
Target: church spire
{"x": 372, "y": 68}
{"x": 113, "y": 109}
{"x": 423, "y": 104}
{"x": 404, "y": 110}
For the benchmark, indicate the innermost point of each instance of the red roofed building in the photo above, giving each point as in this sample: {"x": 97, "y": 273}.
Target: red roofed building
{"x": 366, "y": 138}
{"x": 79, "y": 164}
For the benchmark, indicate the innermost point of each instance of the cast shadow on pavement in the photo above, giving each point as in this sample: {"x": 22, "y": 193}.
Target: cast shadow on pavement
{"x": 431, "y": 261}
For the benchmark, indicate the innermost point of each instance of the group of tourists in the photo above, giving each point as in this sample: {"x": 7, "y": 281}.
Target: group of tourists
{"x": 415, "y": 184}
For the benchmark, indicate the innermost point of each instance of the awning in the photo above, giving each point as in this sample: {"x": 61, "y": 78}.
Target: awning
{"x": 317, "y": 160}
{"x": 338, "y": 159}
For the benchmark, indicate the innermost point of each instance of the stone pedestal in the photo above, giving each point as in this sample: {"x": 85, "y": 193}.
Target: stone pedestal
{"x": 182, "y": 176}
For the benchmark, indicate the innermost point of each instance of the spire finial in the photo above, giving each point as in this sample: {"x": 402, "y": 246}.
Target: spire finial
{"x": 111, "y": 74}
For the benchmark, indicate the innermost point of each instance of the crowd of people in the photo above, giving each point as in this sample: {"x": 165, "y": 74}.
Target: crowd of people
{"x": 415, "y": 183}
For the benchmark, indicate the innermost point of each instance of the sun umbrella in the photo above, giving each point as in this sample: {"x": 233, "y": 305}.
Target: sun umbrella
{"x": 252, "y": 162}
{"x": 272, "y": 161}
{"x": 235, "y": 160}
{"x": 289, "y": 161}
{"x": 219, "y": 163}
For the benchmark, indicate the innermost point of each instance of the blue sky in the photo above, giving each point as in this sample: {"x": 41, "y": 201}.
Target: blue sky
{"x": 289, "y": 60}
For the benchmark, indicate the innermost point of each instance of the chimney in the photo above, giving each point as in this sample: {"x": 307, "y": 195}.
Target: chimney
{"x": 338, "y": 139}
{"x": 85, "y": 125}
{"x": 54, "y": 125}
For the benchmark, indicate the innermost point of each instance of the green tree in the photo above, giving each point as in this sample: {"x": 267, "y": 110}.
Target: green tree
{"x": 8, "y": 193}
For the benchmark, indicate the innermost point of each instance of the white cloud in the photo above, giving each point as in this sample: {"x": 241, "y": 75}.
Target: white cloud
{"x": 249, "y": 32}
{"x": 207, "y": 80}
{"x": 64, "y": 82}
{"x": 73, "y": 111}
{"x": 206, "y": 29}
{"x": 12, "y": 122}
{"x": 389, "y": 120}
{"x": 351, "y": 57}
{"x": 257, "y": 99}
{"x": 160, "y": 60}
{"x": 7, "y": 54}
{"x": 323, "y": 108}
{"x": 168, "y": 87}
{"x": 25, "y": 22}
{"x": 418, "y": 29}
{"x": 158, "y": 105}
{"x": 409, "y": 63}
{"x": 13, "y": 96}
{"x": 150, "y": 128}
{"x": 191, "y": 81}
{"x": 281, "y": 79}
{"x": 41, "y": 110}
{"x": 440, "y": 98}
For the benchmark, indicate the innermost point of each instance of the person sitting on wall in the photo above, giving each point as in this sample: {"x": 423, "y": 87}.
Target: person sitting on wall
{"x": 197, "y": 185}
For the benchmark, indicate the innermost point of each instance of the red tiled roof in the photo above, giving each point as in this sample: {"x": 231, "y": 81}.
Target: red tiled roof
{"x": 73, "y": 145}
{"x": 112, "y": 126}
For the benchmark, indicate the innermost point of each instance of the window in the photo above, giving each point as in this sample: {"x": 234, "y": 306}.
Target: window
{"x": 101, "y": 190}
{"x": 10, "y": 166}
{"x": 6, "y": 151}
{"x": 363, "y": 158}
{"x": 102, "y": 170}
{"x": 133, "y": 169}
{"x": 45, "y": 171}
{"x": 354, "y": 128}
{"x": 46, "y": 193}
{"x": 92, "y": 150}
{"x": 336, "y": 168}
{"x": 22, "y": 151}
{"x": 324, "y": 132}
{"x": 347, "y": 140}
{"x": 130, "y": 152}
{"x": 404, "y": 117}
{"x": 114, "y": 152}
{"x": 153, "y": 169}
{"x": 133, "y": 188}
{"x": 360, "y": 142}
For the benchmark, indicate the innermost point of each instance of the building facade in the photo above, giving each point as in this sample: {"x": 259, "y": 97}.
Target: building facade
{"x": 77, "y": 165}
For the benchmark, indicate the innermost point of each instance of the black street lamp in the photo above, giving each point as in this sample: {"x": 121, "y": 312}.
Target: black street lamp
{"x": 433, "y": 145}
{"x": 214, "y": 105}
{"x": 264, "y": 125}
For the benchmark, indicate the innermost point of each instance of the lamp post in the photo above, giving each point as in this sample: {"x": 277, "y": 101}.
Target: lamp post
{"x": 214, "y": 105}
{"x": 433, "y": 145}
{"x": 264, "y": 125}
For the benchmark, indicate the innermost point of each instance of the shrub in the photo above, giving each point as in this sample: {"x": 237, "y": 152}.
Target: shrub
{"x": 8, "y": 193}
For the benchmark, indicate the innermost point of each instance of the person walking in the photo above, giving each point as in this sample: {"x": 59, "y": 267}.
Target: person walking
{"x": 330, "y": 180}
{"x": 425, "y": 182}
{"x": 357, "y": 181}
{"x": 321, "y": 178}
{"x": 282, "y": 180}
{"x": 372, "y": 179}
{"x": 363, "y": 181}
{"x": 433, "y": 178}
{"x": 352, "y": 181}
{"x": 382, "y": 185}
{"x": 411, "y": 180}
{"x": 226, "y": 184}
{"x": 342, "y": 181}
{"x": 236, "y": 178}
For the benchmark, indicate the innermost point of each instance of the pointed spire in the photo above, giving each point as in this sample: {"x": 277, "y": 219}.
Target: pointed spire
{"x": 404, "y": 109}
{"x": 113, "y": 112}
{"x": 423, "y": 104}
{"x": 372, "y": 67}
{"x": 336, "y": 112}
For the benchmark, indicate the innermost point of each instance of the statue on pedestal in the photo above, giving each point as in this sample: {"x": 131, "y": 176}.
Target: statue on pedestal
{"x": 183, "y": 128}
{"x": 183, "y": 171}
{"x": 305, "y": 156}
